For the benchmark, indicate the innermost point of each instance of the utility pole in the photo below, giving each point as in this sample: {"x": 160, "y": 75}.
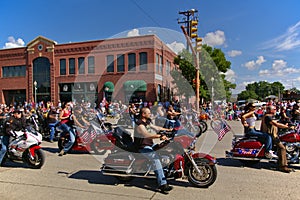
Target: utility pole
{"x": 190, "y": 30}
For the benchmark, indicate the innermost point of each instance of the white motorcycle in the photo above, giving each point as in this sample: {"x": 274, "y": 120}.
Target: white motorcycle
{"x": 25, "y": 145}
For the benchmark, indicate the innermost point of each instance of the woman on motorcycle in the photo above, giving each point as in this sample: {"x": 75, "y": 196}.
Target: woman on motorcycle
{"x": 64, "y": 117}
{"x": 248, "y": 120}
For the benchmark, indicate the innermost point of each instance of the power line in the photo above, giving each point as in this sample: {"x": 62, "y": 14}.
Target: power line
{"x": 145, "y": 12}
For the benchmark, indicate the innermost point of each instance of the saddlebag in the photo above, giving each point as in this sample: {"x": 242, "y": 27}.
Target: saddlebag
{"x": 120, "y": 162}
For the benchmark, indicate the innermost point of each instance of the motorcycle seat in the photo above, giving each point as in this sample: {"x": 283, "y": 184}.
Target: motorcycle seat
{"x": 246, "y": 137}
{"x": 124, "y": 140}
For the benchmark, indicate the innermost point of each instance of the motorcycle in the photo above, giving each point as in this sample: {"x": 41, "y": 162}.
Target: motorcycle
{"x": 177, "y": 155}
{"x": 192, "y": 122}
{"x": 250, "y": 151}
{"x": 97, "y": 137}
{"x": 25, "y": 145}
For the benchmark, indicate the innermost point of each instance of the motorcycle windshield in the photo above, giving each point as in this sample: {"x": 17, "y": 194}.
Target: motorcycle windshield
{"x": 182, "y": 132}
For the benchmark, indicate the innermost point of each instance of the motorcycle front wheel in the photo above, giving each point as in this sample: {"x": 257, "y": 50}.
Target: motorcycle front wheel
{"x": 195, "y": 129}
{"x": 203, "y": 125}
{"x": 37, "y": 161}
{"x": 61, "y": 143}
{"x": 207, "y": 176}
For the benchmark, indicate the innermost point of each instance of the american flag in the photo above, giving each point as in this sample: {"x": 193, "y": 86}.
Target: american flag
{"x": 221, "y": 128}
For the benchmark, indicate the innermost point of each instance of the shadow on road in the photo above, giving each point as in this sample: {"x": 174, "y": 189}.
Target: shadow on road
{"x": 56, "y": 150}
{"x": 245, "y": 163}
{"x": 96, "y": 177}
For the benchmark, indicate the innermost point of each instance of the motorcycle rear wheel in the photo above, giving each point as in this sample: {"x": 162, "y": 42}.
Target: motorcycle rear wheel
{"x": 96, "y": 147}
{"x": 207, "y": 177}
{"x": 38, "y": 160}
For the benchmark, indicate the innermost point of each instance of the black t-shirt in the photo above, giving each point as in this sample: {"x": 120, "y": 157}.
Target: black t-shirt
{"x": 268, "y": 119}
{"x": 52, "y": 113}
{"x": 139, "y": 140}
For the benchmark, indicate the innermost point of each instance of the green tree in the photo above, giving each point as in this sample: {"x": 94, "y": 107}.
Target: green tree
{"x": 213, "y": 65}
{"x": 260, "y": 90}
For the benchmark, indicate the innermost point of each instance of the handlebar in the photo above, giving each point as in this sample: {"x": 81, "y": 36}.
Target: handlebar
{"x": 169, "y": 134}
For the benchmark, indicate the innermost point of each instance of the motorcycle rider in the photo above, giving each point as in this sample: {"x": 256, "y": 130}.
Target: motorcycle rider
{"x": 64, "y": 117}
{"x": 248, "y": 120}
{"x": 270, "y": 126}
{"x": 52, "y": 119}
{"x": 15, "y": 123}
{"x": 172, "y": 115}
{"x": 79, "y": 118}
{"x": 143, "y": 140}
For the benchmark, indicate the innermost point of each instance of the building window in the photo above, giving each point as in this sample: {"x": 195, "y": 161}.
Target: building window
{"x": 121, "y": 63}
{"x": 110, "y": 63}
{"x": 13, "y": 71}
{"x": 91, "y": 65}
{"x": 81, "y": 66}
{"x": 63, "y": 67}
{"x": 71, "y": 65}
{"x": 131, "y": 62}
{"x": 160, "y": 64}
{"x": 143, "y": 61}
{"x": 168, "y": 68}
{"x": 157, "y": 62}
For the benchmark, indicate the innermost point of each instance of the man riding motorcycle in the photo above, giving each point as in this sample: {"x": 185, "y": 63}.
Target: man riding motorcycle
{"x": 15, "y": 123}
{"x": 270, "y": 126}
{"x": 143, "y": 140}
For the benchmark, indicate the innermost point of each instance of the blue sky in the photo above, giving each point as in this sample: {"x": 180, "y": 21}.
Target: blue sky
{"x": 261, "y": 38}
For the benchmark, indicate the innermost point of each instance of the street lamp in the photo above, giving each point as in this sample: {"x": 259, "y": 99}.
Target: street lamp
{"x": 35, "y": 89}
{"x": 212, "y": 92}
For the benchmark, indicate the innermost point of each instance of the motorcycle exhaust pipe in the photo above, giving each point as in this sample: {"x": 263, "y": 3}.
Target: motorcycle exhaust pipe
{"x": 128, "y": 175}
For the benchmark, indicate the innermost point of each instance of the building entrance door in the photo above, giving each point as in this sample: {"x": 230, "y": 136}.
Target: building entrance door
{"x": 41, "y": 75}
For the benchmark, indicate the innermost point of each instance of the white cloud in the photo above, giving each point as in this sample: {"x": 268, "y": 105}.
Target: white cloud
{"x": 241, "y": 87}
{"x": 176, "y": 46}
{"x": 133, "y": 32}
{"x": 279, "y": 64}
{"x": 216, "y": 38}
{"x": 234, "y": 53}
{"x": 254, "y": 64}
{"x": 279, "y": 69}
{"x": 12, "y": 43}
{"x": 288, "y": 41}
{"x": 230, "y": 75}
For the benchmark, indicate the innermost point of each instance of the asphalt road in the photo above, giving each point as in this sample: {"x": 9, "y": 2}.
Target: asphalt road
{"x": 77, "y": 176}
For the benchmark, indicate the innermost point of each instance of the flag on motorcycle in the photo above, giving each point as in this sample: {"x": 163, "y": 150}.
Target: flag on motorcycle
{"x": 220, "y": 127}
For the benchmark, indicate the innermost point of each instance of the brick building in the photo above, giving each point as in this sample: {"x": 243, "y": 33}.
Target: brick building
{"x": 120, "y": 69}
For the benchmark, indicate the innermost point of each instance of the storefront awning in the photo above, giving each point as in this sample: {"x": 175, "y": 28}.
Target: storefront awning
{"x": 108, "y": 85}
{"x": 135, "y": 85}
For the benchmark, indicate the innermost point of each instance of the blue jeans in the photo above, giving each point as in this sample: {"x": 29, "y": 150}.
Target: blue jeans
{"x": 263, "y": 137}
{"x": 65, "y": 128}
{"x": 148, "y": 152}
{"x": 5, "y": 142}
{"x": 52, "y": 129}
{"x": 172, "y": 123}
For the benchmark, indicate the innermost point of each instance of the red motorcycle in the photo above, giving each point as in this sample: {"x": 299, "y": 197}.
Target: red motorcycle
{"x": 249, "y": 150}
{"x": 178, "y": 158}
{"x": 97, "y": 138}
